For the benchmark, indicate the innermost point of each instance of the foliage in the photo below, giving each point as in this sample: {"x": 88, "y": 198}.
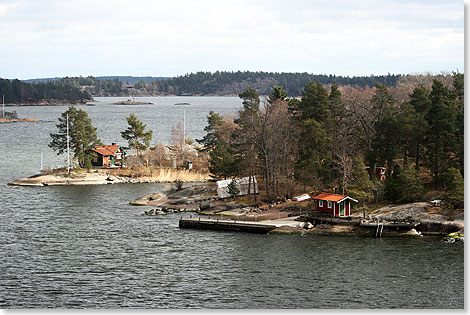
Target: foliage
{"x": 455, "y": 187}
{"x": 323, "y": 139}
{"x": 393, "y": 187}
{"x": 233, "y": 189}
{"x": 361, "y": 185}
{"x": 16, "y": 91}
{"x": 135, "y": 134}
{"x": 82, "y": 136}
{"x": 412, "y": 189}
{"x": 189, "y": 141}
{"x": 209, "y": 141}
{"x": 222, "y": 163}
{"x": 224, "y": 82}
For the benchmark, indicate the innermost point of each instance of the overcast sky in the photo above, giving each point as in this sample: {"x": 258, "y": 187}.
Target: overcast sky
{"x": 51, "y": 38}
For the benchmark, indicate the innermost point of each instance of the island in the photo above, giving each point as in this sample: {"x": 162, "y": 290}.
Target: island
{"x": 129, "y": 102}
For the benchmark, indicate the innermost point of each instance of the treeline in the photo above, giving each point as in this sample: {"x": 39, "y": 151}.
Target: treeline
{"x": 325, "y": 140}
{"x": 229, "y": 83}
{"x": 16, "y": 91}
{"x": 121, "y": 78}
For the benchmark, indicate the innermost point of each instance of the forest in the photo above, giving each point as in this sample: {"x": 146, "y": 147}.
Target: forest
{"x": 325, "y": 140}
{"x": 19, "y": 92}
{"x": 230, "y": 83}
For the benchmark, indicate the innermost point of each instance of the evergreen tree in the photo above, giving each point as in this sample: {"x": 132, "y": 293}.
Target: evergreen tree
{"x": 222, "y": 163}
{"x": 209, "y": 141}
{"x": 277, "y": 94}
{"x": 233, "y": 189}
{"x": 82, "y": 136}
{"x": 421, "y": 103}
{"x": 393, "y": 187}
{"x": 135, "y": 134}
{"x": 315, "y": 154}
{"x": 458, "y": 94}
{"x": 441, "y": 118}
{"x": 412, "y": 189}
{"x": 455, "y": 187}
{"x": 361, "y": 185}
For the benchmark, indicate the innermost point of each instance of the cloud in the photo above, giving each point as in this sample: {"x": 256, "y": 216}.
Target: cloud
{"x": 51, "y": 37}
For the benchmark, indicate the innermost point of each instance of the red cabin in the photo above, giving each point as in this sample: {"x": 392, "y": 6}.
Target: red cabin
{"x": 108, "y": 155}
{"x": 379, "y": 172}
{"x": 337, "y": 205}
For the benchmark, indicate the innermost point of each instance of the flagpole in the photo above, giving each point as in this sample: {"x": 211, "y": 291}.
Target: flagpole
{"x": 68, "y": 146}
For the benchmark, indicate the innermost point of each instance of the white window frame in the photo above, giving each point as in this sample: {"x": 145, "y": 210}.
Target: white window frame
{"x": 329, "y": 204}
{"x": 320, "y": 203}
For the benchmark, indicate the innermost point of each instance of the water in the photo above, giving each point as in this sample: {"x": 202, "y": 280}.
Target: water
{"x": 80, "y": 247}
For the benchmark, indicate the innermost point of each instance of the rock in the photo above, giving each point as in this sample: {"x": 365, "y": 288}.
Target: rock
{"x": 205, "y": 205}
{"x": 414, "y": 232}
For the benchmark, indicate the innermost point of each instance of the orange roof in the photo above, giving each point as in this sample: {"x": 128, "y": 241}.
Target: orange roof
{"x": 330, "y": 197}
{"x": 106, "y": 149}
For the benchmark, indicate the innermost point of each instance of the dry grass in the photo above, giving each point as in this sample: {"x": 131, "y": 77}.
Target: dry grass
{"x": 162, "y": 174}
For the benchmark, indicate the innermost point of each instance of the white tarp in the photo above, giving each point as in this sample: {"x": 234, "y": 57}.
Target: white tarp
{"x": 301, "y": 197}
{"x": 242, "y": 184}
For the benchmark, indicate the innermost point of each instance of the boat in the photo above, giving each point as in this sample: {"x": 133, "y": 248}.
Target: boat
{"x": 183, "y": 103}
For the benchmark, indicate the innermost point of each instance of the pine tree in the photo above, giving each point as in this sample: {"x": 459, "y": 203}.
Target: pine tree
{"x": 82, "y": 136}
{"x": 441, "y": 118}
{"x": 222, "y": 163}
{"x": 233, "y": 189}
{"x": 209, "y": 141}
{"x": 135, "y": 134}
{"x": 455, "y": 187}
{"x": 412, "y": 189}
{"x": 361, "y": 185}
{"x": 277, "y": 94}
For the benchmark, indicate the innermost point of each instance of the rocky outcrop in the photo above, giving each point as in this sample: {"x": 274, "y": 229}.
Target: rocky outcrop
{"x": 101, "y": 177}
{"x": 423, "y": 213}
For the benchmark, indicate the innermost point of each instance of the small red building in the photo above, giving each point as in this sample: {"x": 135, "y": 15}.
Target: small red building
{"x": 379, "y": 172}
{"x": 337, "y": 205}
{"x": 108, "y": 155}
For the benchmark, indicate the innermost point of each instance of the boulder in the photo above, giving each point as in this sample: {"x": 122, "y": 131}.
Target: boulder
{"x": 205, "y": 205}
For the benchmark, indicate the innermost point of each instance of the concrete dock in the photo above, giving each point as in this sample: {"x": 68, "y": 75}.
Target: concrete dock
{"x": 235, "y": 225}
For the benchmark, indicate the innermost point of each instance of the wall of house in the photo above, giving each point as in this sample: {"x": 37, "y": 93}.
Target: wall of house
{"x": 324, "y": 207}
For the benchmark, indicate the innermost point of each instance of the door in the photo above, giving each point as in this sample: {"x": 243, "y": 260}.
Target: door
{"x": 341, "y": 208}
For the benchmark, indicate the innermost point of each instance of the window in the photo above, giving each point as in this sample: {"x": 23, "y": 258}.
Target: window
{"x": 320, "y": 203}
{"x": 329, "y": 204}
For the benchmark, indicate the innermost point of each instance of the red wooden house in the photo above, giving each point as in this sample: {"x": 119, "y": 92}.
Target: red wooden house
{"x": 108, "y": 155}
{"x": 337, "y": 205}
{"x": 379, "y": 172}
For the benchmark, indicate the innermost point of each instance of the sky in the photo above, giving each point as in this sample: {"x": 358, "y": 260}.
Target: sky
{"x": 52, "y": 38}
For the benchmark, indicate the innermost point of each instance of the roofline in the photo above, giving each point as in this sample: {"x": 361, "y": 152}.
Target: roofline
{"x": 347, "y": 197}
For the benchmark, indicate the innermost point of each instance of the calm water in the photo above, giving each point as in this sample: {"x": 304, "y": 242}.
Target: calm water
{"x": 86, "y": 247}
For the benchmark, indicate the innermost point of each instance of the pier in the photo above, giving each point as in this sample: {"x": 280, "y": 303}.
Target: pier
{"x": 234, "y": 225}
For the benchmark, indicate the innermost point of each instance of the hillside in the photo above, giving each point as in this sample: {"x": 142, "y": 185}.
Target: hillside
{"x": 233, "y": 83}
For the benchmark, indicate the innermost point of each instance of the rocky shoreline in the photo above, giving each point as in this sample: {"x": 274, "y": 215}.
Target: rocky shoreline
{"x": 101, "y": 177}
{"x": 202, "y": 200}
